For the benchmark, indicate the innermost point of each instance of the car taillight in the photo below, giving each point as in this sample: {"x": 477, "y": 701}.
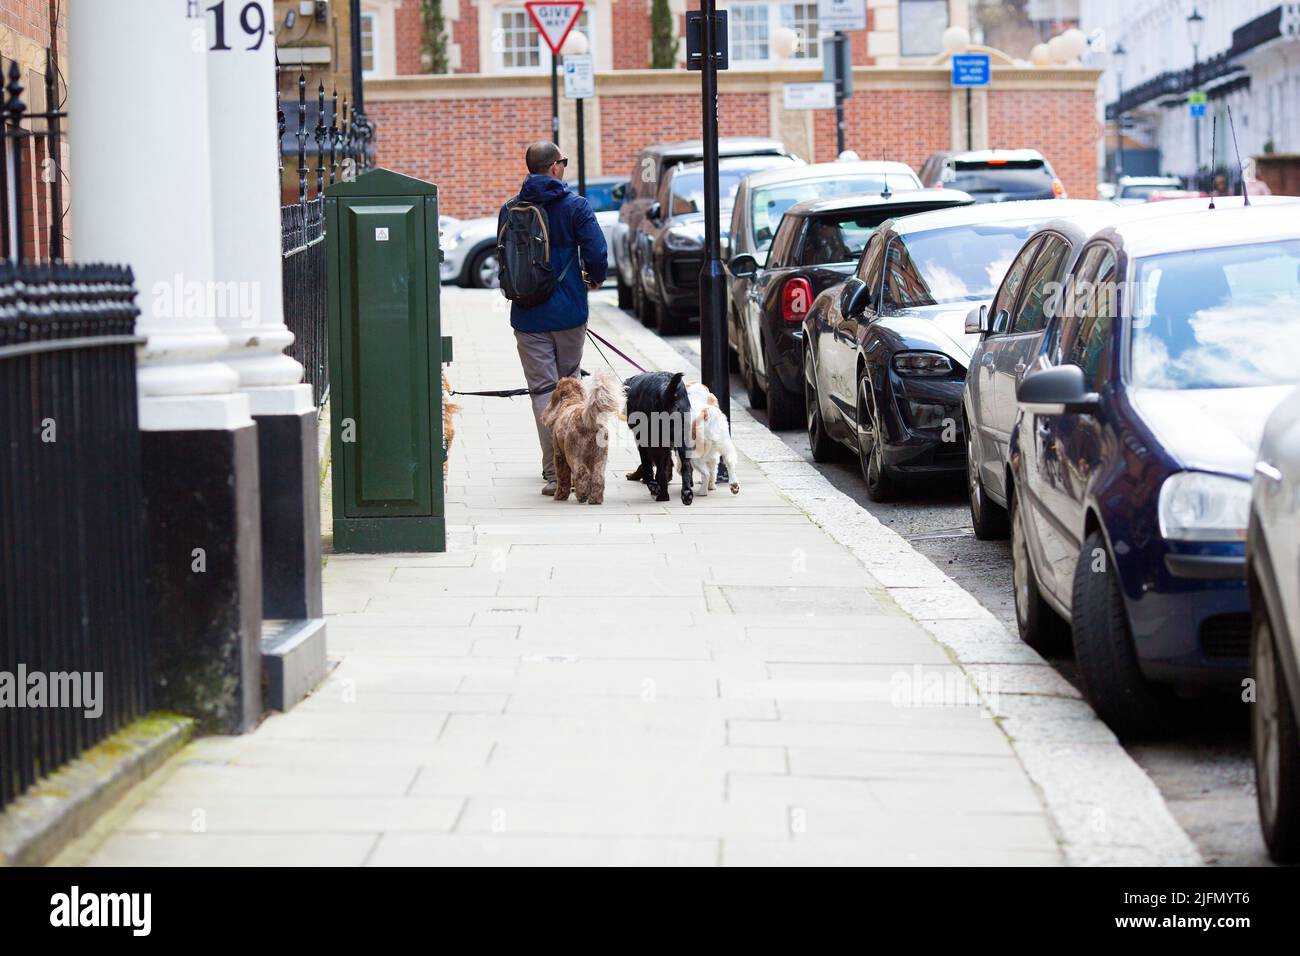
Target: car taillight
{"x": 1058, "y": 190}
{"x": 796, "y": 299}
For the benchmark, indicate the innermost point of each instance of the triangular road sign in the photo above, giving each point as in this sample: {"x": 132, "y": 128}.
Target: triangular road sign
{"x": 554, "y": 20}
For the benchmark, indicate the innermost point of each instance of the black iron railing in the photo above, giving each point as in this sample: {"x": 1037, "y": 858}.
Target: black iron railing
{"x": 31, "y": 174}
{"x": 303, "y": 249}
{"x": 73, "y": 641}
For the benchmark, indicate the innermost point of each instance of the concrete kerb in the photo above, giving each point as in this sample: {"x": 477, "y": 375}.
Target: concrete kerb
{"x": 1105, "y": 808}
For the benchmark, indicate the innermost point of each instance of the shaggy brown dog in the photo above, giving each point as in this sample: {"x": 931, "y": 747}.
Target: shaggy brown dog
{"x": 577, "y": 420}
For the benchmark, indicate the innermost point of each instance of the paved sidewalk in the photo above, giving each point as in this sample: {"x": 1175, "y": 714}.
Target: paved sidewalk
{"x": 631, "y": 683}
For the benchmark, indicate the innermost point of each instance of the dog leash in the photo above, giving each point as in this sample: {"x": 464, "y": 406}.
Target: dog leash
{"x": 546, "y": 390}
{"x": 613, "y": 348}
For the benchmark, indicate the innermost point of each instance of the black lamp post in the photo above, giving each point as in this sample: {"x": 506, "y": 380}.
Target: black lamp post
{"x": 1195, "y": 33}
{"x": 1118, "y": 54}
{"x": 713, "y": 291}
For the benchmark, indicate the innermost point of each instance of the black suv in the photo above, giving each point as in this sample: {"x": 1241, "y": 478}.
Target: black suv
{"x": 994, "y": 175}
{"x": 642, "y": 189}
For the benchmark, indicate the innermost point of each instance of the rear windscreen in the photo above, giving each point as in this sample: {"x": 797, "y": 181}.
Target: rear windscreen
{"x": 1021, "y": 175}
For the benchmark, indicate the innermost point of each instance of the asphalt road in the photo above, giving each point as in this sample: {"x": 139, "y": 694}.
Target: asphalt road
{"x": 1205, "y": 775}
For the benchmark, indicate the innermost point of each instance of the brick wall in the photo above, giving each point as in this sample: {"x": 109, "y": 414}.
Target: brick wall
{"x": 1062, "y": 125}
{"x": 905, "y": 126}
{"x": 31, "y": 19}
{"x": 628, "y": 123}
{"x": 631, "y": 32}
{"x": 465, "y": 33}
{"x": 408, "y": 29}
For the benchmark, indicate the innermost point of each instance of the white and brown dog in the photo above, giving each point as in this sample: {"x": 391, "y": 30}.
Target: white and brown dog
{"x": 710, "y": 439}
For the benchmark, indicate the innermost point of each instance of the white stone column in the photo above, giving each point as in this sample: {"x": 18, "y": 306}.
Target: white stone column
{"x": 143, "y": 197}
{"x": 246, "y": 210}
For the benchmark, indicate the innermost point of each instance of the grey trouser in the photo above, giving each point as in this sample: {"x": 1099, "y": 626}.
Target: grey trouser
{"x": 548, "y": 357}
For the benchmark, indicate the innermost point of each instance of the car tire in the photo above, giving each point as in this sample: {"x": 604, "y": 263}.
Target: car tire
{"x": 881, "y": 485}
{"x": 785, "y": 409}
{"x": 824, "y": 448}
{"x": 757, "y": 397}
{"x": 988, "y": 519}
{"x": 1103, "y": 651}
{"x": 624, "y": 290}
{"x": 1275, "y": 744}
{"x": 642, "y": 305}
{"x": 669, "y": 321}
{"x": 484, "y": 271}
{"x": 1038, "y": 625}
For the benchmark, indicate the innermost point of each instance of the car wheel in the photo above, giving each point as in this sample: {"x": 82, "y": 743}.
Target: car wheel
{"x": 624, "y": 290}
{"x": 1103, "y": 650}
{"x": 642, "y": 305}
{"x": 485, "y": 269}
{"x": 881, "y": 485}
{"x": 668, "y": 321}
{"x": 757, "y": 397}
{"x": 824, "y": 447}
{"x": 1275, "y": 743}
{"x": 1038, "y": 625}
{"x": 988, "y": 520}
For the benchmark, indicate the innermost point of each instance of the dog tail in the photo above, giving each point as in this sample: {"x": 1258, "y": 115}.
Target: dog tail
{"x": 606, "y": 397}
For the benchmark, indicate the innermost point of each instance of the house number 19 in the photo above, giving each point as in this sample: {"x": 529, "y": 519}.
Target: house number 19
{"x": 252, "y": 19}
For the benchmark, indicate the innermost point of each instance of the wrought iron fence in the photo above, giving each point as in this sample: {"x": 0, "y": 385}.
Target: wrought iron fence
{"x": 73, "y": 637}
{"x": 341, "y": 148}
{"x": 31, "y": 174}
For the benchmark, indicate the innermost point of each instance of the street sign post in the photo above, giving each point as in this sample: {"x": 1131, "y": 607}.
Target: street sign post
{"x": 580, "y": 85}
{"x": 554, "y": 19}
{"x": 841, "y": 15}
{"x": 970, "y": 70}
{"x": 809, "y": 96}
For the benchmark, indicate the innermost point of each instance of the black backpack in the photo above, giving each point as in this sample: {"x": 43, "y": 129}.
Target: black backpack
{"x": 524, "y": 254}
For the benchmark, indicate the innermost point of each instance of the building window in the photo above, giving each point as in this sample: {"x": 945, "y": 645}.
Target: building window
{"x": 519, "y": 47}
{"x": 368, "y": 43}
{"x": 750, "y": 25}
{"x": 920, "y": 26}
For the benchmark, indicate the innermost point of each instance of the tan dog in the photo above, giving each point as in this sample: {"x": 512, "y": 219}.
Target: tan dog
{"x": 449, "y": 410}
{"x": 576, "y": 418}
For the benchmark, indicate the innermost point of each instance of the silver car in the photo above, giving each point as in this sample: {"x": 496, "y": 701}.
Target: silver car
{"x": 1273, "y": 576}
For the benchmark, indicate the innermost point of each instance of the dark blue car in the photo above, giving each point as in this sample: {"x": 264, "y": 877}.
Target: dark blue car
{"x": 1172, "y": 341}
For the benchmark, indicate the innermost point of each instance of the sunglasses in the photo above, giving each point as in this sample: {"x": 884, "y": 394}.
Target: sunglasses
{"x": 563, "y": 161}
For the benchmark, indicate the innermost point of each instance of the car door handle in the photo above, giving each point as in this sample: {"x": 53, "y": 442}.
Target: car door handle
{"x": 1265, "y": 470}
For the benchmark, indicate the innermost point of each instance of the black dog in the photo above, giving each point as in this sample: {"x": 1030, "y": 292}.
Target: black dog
{"x": 659, "y": 414}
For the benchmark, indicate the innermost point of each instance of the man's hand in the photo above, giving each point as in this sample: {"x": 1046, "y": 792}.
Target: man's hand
{"x": 593, "y": 285}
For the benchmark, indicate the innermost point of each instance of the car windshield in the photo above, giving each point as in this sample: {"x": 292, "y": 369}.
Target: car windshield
{"x": 688, "y": 184}
{"x": 1011, "y": 176}
{"x": 1217, "y": 318}
{"x": 957, "y": 264}
{"x": 769, "y": 203}
{"x": 1145, "y": 191}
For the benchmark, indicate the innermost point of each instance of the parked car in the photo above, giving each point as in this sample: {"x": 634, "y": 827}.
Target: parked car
{"x": 1273, "y": 580}
{"x": 994, "y": 175}
{"x": 886, "y": 350}
{"x": 817, "y": 243}
{"x": 469, "y": 246}
{"x": 642, "y": 189}
{"x": 1135, "y": 190}
{"x": 667, "y": 246}
{"x": 1133, "y": 450}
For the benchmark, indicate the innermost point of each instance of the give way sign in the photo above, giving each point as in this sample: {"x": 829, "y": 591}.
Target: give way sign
{"x": 554, "y": 20}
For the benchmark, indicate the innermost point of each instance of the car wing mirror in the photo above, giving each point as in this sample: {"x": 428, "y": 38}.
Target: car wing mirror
{"x": 977, "y": 320}
{"x": 619, "y": 191}
{"x": 1058, "y": 390}
{"x": 743, "y": 266}
{"x": 652, "y": 211}
{"x": 854, "y": 297}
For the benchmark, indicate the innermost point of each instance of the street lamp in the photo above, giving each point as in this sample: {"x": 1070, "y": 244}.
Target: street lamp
{"x": 576, "y": 44}
{"x": 1196, "y": 33}
{"x": 1118, "y": 55}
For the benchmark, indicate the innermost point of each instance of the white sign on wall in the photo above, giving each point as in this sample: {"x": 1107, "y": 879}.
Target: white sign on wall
{"x": 841, "y": 15}
{"x": 579, "y": 77}
{"x": 809, "y": 96}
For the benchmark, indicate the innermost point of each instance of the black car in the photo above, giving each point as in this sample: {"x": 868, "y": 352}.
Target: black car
{"x": 886, "y": 350}
{"x": 994, "y": 175}
{"x": 817, "y": 243}
{"x": 642, "y": 189}
{"x": 667, "y": 247}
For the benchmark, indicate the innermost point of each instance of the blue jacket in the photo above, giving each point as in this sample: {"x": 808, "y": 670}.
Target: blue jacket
{"x": 573, "y": 227}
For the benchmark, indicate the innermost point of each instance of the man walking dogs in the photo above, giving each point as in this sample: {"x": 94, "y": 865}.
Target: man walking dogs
{"x": 549, "y": 246}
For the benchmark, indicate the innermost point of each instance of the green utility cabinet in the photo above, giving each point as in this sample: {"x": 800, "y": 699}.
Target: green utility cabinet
{"x": 386, "y": 352}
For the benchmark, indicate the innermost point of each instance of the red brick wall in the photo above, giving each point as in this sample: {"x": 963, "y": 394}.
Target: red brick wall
{"x": 465, "y": 32}
{"x": 628, "y": 123}
{"x": 408, "y": 26}
{"x": 473, "y": 149}
{"x": 1062, "y": 125}
{"x": 631, "y": 30}
{"x": 904, "y": 126}
{"x": 31, "y": 19}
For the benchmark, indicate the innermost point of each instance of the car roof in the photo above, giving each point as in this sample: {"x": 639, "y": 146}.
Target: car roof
{"x": 738, "y": 162}
{"x": 816, "y": 207}
{"x": 1229, "y": 224}
{"x": 1023, "y": 210}
{"x": 1148, "y": 180}
{"x": 860, "y": 167}
{"x": 985, "y": 155}
{"x": 727, "y": 146}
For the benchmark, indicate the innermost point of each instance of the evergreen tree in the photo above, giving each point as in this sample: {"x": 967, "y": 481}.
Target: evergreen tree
{"x": 663, "y": 45}
{"x": 434, "y": 40}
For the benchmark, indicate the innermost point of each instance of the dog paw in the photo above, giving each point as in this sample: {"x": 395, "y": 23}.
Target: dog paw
{"x": 582, "y": 499}
{"x": 595, "y": 500}
{"x": 735, "y": 487}
{"x": 687, "y": 496}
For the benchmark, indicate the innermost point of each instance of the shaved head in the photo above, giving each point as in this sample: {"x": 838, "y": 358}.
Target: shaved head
{"x": 541, "y": 156}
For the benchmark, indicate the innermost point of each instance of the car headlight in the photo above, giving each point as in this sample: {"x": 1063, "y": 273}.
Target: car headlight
{"x": 683, "y": 240}
{"x": 1198, "y": 506}
{"x": 450, "y": 242}
{"x": 922, "y": 363}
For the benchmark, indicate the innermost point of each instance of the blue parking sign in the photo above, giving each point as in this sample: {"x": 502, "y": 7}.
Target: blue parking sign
{"x": 971, "y": 69}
